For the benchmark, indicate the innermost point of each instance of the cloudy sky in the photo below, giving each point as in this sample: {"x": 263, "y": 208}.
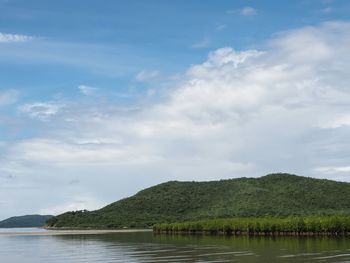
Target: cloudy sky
{"x": 98, "y": 101}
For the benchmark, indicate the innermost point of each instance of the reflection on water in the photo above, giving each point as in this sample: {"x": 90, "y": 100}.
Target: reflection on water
{"x": 146, "y": 247}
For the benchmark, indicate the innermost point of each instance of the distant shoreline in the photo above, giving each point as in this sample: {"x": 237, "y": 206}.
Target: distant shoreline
{"x": 73, "y": 232}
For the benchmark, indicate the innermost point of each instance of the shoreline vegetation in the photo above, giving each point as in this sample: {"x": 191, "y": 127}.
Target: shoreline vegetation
{"x": 335, "y": 225}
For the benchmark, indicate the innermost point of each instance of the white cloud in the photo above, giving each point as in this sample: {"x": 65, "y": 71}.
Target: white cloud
{"x": 41, "y": 110}
{"x": 338, "y": 120}
{"x": 327, "y": 1}
{"x": 74, "y": 152}
{"x": 147, "y": 75}
{"x": 106, "y": 60}
{"x": 76, "y": 203}
{"x": 248, "y": 11}
{"x": 221, "y": 27}
{"x": 8, "y": 97}
{"x": 239, "y": 113}
{"x": 203, "y": 43}
{"x": 333, "y": 169}
{"x": 225, "y": 56}
{"x": 327, "y": 10}
{"x": 87, "y": 90}
{"x": 13, "y": 38}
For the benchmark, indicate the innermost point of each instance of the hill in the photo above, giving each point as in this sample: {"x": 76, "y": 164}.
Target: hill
{"x": 25, "y": 221}
{"x": 272, "y": 195}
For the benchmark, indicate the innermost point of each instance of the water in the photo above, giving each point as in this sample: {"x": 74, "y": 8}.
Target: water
{"x": 146, "y": 247}
{"x": 22, "y": 230}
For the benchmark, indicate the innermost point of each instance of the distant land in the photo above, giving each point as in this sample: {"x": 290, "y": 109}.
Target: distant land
{"x": 277, "y": 195}
{"x": 25, "y": 221}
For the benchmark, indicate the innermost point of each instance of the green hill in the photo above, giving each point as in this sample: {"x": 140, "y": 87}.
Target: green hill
{"x": 25, "y": 221}
{"x": 272, "y": 195}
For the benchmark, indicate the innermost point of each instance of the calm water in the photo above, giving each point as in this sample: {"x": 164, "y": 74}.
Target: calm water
{"x": 145, "y": 247}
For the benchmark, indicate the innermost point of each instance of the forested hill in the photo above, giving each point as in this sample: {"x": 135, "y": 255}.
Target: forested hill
{"x": 272, "y": 195}
{"x": 25, "y": 221}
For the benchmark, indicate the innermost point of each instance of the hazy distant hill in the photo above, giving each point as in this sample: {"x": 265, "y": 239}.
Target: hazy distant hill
{"x": 25, "y": 221}
{"x": 274, "y": 194}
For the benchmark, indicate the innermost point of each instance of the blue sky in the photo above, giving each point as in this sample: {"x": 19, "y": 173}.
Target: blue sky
{"x": 99, "y": 100}
{"x": 107, "y": 44}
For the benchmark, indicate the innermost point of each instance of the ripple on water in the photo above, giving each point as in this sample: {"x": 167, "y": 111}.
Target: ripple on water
{"x": 145, "y": 248}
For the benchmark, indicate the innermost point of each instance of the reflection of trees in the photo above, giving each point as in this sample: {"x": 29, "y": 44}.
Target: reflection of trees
{"x": 145, "y": 247}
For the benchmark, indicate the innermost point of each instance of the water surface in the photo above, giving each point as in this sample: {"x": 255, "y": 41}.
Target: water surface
{"x": 146, "y": 247}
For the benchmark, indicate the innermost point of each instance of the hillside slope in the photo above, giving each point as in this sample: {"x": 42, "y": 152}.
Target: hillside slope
{"x": 25, "y": 221}
{"x": 274, "y": 194}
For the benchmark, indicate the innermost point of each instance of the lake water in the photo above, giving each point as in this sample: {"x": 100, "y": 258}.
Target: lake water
{"x": 146, "y": 247}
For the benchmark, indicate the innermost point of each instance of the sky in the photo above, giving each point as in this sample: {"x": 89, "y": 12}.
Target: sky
{"x": 100, "y": 99}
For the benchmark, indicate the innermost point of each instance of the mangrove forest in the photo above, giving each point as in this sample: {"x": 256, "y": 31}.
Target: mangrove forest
{"x": 294, "y": 225}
